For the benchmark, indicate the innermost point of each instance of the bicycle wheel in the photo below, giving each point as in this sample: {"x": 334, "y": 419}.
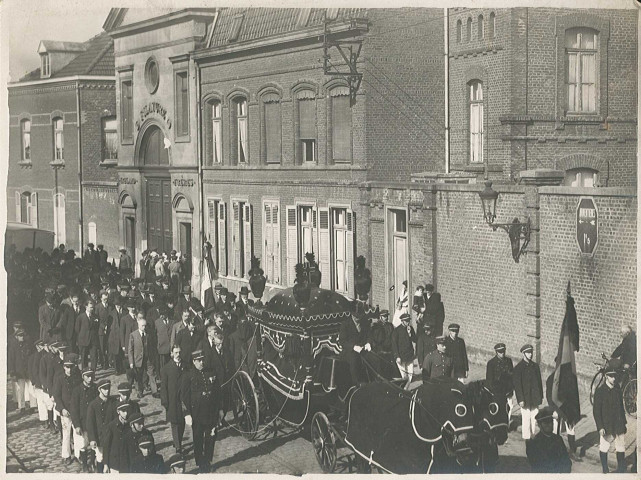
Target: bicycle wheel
{"x": 630, "y": 398}
{"x": 596, "y": 383}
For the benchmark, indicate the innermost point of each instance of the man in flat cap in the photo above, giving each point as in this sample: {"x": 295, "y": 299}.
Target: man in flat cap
{"x": 609, "y": 416}
{"x": 546, "y": 452}
{"x": 63, "y": 395}
{"x": 438, "y": 364}
{"x": 202, "y": 402}
{"x": 457, "y": 351}
{"x": 529, "y": 390}
{"x": 100, "y": 412}
{"x": 83, "y": 395}
{"x": 117, "y": 455}
{"x": 498, "y": 375}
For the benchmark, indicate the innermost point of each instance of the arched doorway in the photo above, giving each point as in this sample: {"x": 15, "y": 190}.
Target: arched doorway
{"x": 153, "y": 154}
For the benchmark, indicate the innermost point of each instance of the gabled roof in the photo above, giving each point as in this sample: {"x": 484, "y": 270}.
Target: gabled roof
{"x": 96, "y": 58}
{"x": 56, "y": 46}
{"x": 235, "y": 25}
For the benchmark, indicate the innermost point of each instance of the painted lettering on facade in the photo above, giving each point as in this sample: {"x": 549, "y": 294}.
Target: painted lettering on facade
{"x": 153, "y": 108}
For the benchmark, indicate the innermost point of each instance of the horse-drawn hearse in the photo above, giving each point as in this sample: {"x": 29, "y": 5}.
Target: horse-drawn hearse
{"x": 301, "y": 381}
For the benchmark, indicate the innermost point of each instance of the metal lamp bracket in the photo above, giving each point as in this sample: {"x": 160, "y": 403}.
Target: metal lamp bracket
{"x": 349, "y": 50}
{"x": 519, "y": 234}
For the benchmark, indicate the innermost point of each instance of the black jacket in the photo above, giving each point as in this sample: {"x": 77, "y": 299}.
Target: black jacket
{"x": 498, "y": 375}
{"x": 402, "y": 343}
{"x": 170, "y": 384}
{"x": 608, "y": 410}
{"x": 547, "y": 454}
{"x": 528, "y": 385}
{"x": 99, "y": 415}
{"x": 64, "y": 389}
{"x": 349, "y": 336}
{"x": 434, "y": 312}
{"x": 201, "y": 397}
{"x": 188, "y": 343}
{"x": 222, "y": 364}
{"x": 458, "y": 353}
{"x": 116, "y": 452}
{"x": 82, "y": 397}
{"x": 152, "y": 463}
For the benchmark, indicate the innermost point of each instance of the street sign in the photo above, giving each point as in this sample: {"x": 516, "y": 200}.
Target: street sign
{"x": 587, "y": 225}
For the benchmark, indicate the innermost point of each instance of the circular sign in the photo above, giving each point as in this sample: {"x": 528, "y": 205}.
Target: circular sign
{"x": 152, "y": 75}
{"x": 587, "y": 234}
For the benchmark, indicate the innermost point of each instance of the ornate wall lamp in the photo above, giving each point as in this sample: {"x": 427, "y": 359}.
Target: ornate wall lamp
{"x": 518, "y": 232}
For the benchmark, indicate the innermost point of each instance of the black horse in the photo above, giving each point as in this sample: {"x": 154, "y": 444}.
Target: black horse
{"x": 490, "y": 425}
{"x": 420, "y": 431}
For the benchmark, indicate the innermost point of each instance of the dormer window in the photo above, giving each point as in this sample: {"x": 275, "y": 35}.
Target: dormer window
{"x": 45, "y": 68}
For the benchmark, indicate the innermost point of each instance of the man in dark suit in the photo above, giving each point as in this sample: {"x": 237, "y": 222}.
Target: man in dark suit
{"x": 218, "y": 358}
{"x": 46, "y": 314}
{"x": 434, "y": 313}
{"x": 103, "y": 311}
{"x": 354, "y": 337}
{"x": 528, "y": 387}
{"x": 458, "y": 352}
{"x": 498, "y": 375}
{"x": 170, "y": 384}
{"x": 201, "y": 398}
{"x": 609, "y": 416}
{"x": 184, "y": 301}
{"x": 67, "y": 323}
{"x": 87, "y": 325}
{"x": 163, "y": 336}
{"x": 188, "y": 339}
{"x": 114, "y": 346}
{"x": 244, "y": 302}
{"x": 127, "y": 325}
{"x": 139, "y": 350}
{"x": 181, "y": 325}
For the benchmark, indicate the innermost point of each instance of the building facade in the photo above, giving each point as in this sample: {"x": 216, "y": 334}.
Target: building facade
{"x": 62, "y": 145}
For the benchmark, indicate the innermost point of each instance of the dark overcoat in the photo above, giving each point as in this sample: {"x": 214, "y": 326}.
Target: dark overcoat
{"x": 498, "y": 375}
{"x": 82, "y": 397}
{"x": 201, "y": 397}
{"x": 608, "y": 410}
{"x": 99, "y": 415}
{"x": 547, "y": 454}
{"x": 170, "y": 385}
{"x": 457, "y": 351}
{"x": 116, "y": 452}
{"x": 527, "y": 384}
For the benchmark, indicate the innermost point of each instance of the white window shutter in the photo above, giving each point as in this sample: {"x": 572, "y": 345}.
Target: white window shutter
{"x": 34, "y": 209}
{"x": 235, "y": 241}
{"x": 268, "y": 260}
{"x": 247, "y": 238}
{"x": 222, "y": 239}
{"x": 18, "y": 214}
{"x": 324, "y": 259}
{"x": 349, "y": 254}
{"x": 315, "y": 233}
{"x": 211, "y": 221}
{"x": 292, "y": 245}
{"x": 276, "y": 242}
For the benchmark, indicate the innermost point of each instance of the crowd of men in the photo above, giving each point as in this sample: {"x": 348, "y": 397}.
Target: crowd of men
{"x": 96, "y": 316}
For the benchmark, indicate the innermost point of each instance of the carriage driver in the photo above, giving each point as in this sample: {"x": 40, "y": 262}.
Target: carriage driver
{"x": 354, "y": 337}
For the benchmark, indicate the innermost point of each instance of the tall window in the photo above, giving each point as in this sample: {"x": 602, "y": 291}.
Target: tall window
{"x": 240, "y": 120}
{"x": 59, "y": 219}
{"x": 25, "y": 133}
{"x": 341, "y": 125}
{"x": 45, "y": 68}
{"x": 109, "y": 139}
{"x": 92, "y": 230}
{"x": 272, "y": 137}
{"x": 492, "y": 26}
{"x": 217, "y": 234}
{"x": 307, "y": 126}
{"x": 27, "y": 208}
{"x": 271, "y": 241}
{"x": 216, "y": 133}
{"x": 468, "y": 36}
{"x": 476, "y": 121}
{"x": 58, "y": 139}
{"x": 182, "y": 104}
{"x": 581, "y": 48}
{"x": 302, "y": 236}
{"x": 343, "y": 249}
{"x": 126, "y": 110}
{"x": 459, "y": 31}
{"x": 241, "y": 239}
{"x": 481, "y": 28}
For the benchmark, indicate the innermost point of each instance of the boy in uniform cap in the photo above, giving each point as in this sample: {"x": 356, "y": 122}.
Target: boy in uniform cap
{"x": 610, "y": 420}
{"x": 403, "y": 338}
{"x": 18, "y": 368}
{"x": 498, "y": 376}
{"x": 457, "y": 351}
{"x": 83, "y": 395}
{"x": 117, "y": 455}
{"x": 47, "y": 361}
{"x": 529, "y": 390}
{"x": 202, "y": 400}
{"x": 63, "y": 394}
{"x": 177, "y": 464}
{"x": 546, "y": 452}
{"x": 149, "y": 461}
{"x": 36, "y": 385}
{"x": 138, "y": 431}
{"x": 124, "y": 395}
{"x": 438, "y": 363}
{"x": 426, "y": 343}
{"x": 55, "y": 371}
{"x": 100, "y": 412}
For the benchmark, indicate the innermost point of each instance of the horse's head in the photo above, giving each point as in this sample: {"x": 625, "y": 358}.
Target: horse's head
{"x": 490, "y": 412}
{"x": 446, "y": 413}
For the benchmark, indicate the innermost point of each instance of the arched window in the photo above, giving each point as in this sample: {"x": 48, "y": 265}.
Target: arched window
{"x": 271, "y": 128}
{"x": 25, "y": 133}
{"x": 481, "y": 28}
{"x": 307, "y": 131}
{"x": 240, "y": 132}
{"x": 341, "y": 124}
{"x": 59, "y": 219}
{"x": 216, "y": 132}
{"x": 469, "y": 29}
{"x": 492, "y": 26}
{"x": 153, "y": 147}
{"x": 27, "y": 208}
{"x": 581, "y": 177}
{"x": 58, "y": 139}
{"x": 476, "y": 121}
{"x": 459, "y": 31}
{"x": 582, "y": 75}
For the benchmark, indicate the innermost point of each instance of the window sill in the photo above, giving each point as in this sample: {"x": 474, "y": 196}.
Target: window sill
{"x": 25, "y": 163}
{"x": 57, "y": 164}
{"x": 288, "y": 167}
{"x": 183, "y": 139}
{"x": 108, "y": 163}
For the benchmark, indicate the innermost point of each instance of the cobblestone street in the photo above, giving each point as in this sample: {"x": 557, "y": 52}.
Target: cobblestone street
{"x": 288, "y": 452}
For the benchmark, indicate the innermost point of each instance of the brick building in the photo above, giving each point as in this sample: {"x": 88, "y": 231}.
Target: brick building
{"x": 62, "y": 142}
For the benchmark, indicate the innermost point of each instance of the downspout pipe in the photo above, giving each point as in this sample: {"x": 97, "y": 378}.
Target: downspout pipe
{"x": 199, "y": 159}
{"x": 446, "y": 45}
{"x": 80, "y": 202}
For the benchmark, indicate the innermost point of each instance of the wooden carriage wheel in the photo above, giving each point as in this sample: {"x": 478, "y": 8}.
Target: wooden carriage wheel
{"x": 245, "y": 405}
{"x": 324, "y": 442}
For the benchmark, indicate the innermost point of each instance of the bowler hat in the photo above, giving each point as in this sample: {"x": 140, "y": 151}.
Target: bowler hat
{"x": 186, "y": 290}
{"x": 545, "y": 413}
{"x": 384, "y": 313}
{"x": 218, "y": 286}
{"x": 132, "y": 303}
{"x": 499, "y": 347}
{"x": 453, "y": 327}
{"x": 527, "y": 348}
{"x": 224, "y": 291}
{"x": 117, "y": 300}
{"x": 244, "y": 290}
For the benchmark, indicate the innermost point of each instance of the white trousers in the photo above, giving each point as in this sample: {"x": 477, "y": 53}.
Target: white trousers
{"x": 568, "y": 429}
{"x": 78, "y": 443}
{"x": 42, "y": 405}
{"x": 510, "y": 406}
{"x": 48, "y": 400}
{"x": 30, "y": 393}
{"x": 66, "y": 436}
{"x": 605, "y": 441}
{"x": 528, "y": 422}
{"x": 19, "y": 392}
{"x": 98, "y": 451}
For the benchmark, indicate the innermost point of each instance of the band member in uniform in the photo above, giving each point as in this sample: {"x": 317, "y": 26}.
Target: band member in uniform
{"x": 34, "y": 374}
{"x": 137, "y": 424}
{"x": 18, "y": 367}
{"x": 170, "y": 384}
{"x": 546, "y": 452}
{"x": 117, "y": 456}
{"x": 403, "y": 337}
{"x": 456, "y": 349}
{"x": 64, "y": 390}
{"x": 498, "y": 376}
{"x": 83, "y": 395}
{"x": 529, "y": 390}
{"x": 609, "y": 416}
{"x": 425, "y": 344}
{"x": 99, "y": 414}
{"x": 124, "y": 395}
{"x": 201, "y": 397}
{"x": 149, "y": 461}
{"x": 177, "y": 464}
{"x": 438, "y": 363}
